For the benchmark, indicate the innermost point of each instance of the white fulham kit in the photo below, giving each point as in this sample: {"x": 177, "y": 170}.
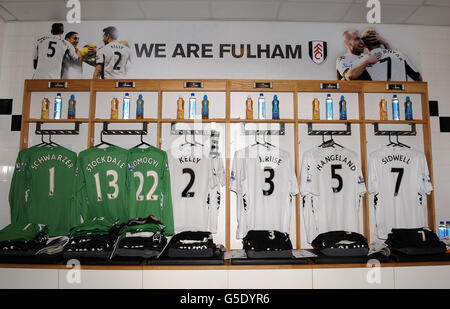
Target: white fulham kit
{"x": 115, "y": 58}
{"x": 265, "y": 182}
{"x": 195, "y": 181}
{"x": 49, "y": 51}
{"x": 398, "y": 178}
{"x": 332, "y": 186}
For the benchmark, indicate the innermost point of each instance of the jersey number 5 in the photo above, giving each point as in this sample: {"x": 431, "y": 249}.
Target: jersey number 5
{"x": 338, "y": 177}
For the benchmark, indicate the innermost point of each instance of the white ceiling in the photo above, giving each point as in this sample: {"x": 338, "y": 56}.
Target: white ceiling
{"x": 417, "y": 12}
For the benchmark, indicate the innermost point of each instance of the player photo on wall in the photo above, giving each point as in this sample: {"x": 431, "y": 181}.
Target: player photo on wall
{"x": 370, "y": 57}
{"x": 58, "y": 55}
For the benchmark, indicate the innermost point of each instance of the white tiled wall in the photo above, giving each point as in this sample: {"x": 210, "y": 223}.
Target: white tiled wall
{"x": 433, "y": 43}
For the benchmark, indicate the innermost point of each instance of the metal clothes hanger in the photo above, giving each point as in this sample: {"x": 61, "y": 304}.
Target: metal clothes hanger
{"x": 266, "y": 142}
{"x": 43, "y": 143}
{"x": 52, "y": 143}
{"x": 391, "y": 143}
{"x": 258, "y": 143}
{"x": 142, "y": 143}
{"x": 102, "y": 142}
{"x": 401, "y": 144}
{"x": 186, "y": 142}
{"x": 329, "y": 143}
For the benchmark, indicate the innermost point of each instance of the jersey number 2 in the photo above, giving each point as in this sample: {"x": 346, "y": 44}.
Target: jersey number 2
{"x": 116, "y": 65}
{"x": 186, "y": 192}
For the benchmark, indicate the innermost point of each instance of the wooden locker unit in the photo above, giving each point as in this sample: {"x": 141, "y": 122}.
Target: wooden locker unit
{"x": 227, "y": 86}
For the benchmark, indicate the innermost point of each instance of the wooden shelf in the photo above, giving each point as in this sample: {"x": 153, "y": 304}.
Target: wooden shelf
{"x": 330, "y": 121}
{"x": 237, "y": 120}
{"x": 34, "y": 120}
{"x": 168, "y": 120}
{"x": 100, "y": 120}
{"x": 418, "y": 121}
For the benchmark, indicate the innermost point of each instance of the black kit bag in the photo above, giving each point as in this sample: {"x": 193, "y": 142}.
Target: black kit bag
{"x": 416, "y": 241}
{"x": 267, "y": 244}
{"x": 341, "y": 243}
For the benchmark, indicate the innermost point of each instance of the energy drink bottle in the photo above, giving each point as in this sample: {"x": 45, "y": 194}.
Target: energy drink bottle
{"x": 72, "y": 106}
{"x": 408, "y": 109}
{"x": 442, "y": 230}
{"x": 126, "y": 106}
{"x": 44, "y": 108}
{"x": 316, "y": 109}
{"x": 249, "y": 108}
{"x": 205, "y": 107}
{"x": 192, "y": 106}
{"x": 261, "y": 106}
{"x": 140, "y": 107}
{"x": 395, "y": 108}
{"x": 114, "y": 108}
{"x": 180, "y": 108}
{"x": 329, "y": 107}
{"x": 58, "y": 103}
{"x": 275, "y": 108}
{"x": 342, "y": 109}
{"x": 383, "y": 110}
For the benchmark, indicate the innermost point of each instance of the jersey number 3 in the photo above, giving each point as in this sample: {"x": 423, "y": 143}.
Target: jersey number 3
{"x": 269, "y": 180}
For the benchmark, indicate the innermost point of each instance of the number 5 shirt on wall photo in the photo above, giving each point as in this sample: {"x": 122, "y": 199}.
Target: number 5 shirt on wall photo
{"x": 331, "y": 185}
{"x": 265, "y": 182}
{"x": 398, "y": 179}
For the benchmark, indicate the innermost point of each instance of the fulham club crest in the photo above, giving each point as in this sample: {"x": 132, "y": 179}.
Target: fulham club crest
{"x": 318, "y": 51}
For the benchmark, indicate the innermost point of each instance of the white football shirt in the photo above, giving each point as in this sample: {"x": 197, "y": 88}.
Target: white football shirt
{"x": 194, "y": 180}
{"x": 345, "y": 62}
{"x": 264, "y": 180}
{"x": 115, "y": 58}
{"x": 392, "y": 66}
{"x": 333, "y": 176}
{"x": 49, "y": 51}
{"x": 398, "y": 177}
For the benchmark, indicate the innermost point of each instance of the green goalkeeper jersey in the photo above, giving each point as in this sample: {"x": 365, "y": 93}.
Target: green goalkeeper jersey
{"x": 50, "y": 173}
{"x": 149, "y": 186}
{"x": 18, "y": 189}
{"x": 101, "y": 184}
{"x": 22, "y": 231}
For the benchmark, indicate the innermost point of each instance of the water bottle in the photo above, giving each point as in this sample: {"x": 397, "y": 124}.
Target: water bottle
{"x": 316, "y": 109}
{"x": 72, "y": 106}
{"x": 126, "y": 106}
{"x": 342, "y": 109}
{"x": 442, "y": 229}
{"x": 447, "y": 228}
{"x": 329, "y": 107}
{"x": 261, "y": 107}
{"x": 275, "y": 108}
{"x": 408, "y": 109}
{"x": 58, "y": 104}
{"x": 249, "y": 108}
{"x": 383, "y": 110}
{"x": 205, "y": 107}
{"x": 180, "y": 108}
{"x": 395, "y": 108}
{"x": 192, "y": 106}
{"x": 140, "y": 107}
